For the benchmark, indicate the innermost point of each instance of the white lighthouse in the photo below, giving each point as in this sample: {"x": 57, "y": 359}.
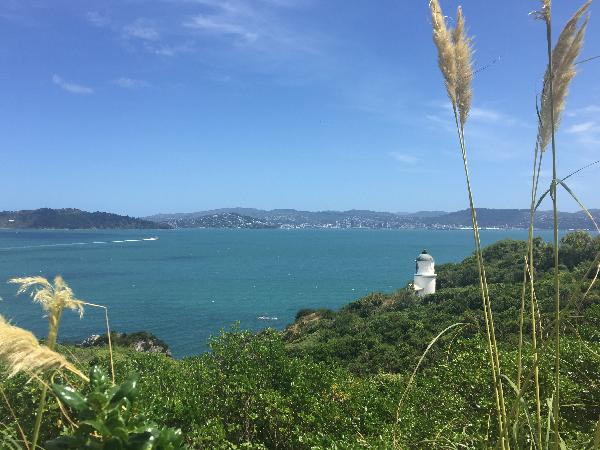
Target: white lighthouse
{"x": 425, "y": 275}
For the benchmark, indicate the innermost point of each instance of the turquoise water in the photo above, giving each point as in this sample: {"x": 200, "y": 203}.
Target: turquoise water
{"x": 189, "y": 284}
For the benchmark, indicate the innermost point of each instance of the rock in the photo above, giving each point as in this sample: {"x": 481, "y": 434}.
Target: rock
{"x": 140, "y": 341}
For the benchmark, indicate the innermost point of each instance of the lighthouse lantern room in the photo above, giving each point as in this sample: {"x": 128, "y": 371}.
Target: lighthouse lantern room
{"x": 424, "y": 282}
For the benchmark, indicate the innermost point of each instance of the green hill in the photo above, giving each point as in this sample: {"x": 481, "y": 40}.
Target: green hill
{"x": 389, "y": 332}
{"x": 70, "y": 218}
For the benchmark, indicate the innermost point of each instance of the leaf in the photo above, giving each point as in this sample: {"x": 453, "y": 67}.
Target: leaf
{"x": 127, "y": 390}
{"x": 113, "y": 444}
{"x": 121, "y": 433}
{"x": 541, "y": 198}
{"x": 581, "y": 205}
{"x": 62, "y": 442}
{"x": 98, "y": 426}
{"x": 70, "y": 397}
{"x": 97, "y": 377}
{"x": 169, "y": 436}
{"x": 141, "y": 441}
{"x": 97, "y": 400}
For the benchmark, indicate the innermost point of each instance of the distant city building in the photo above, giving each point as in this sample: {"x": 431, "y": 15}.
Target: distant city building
{"x": 425, "y": 275}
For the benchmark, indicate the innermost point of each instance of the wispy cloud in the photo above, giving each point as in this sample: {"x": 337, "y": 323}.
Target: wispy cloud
{"x": 219, "y": 26}
{"x": 586, "y": 128}
{"x": 493, "y": 116}
{"x": 404, "y": 158}
{"x": 262, "y": 27}
{"x": 71, "y": 87}
{"x": 97, "y": 19}
{"x": 142, "y": 29}
{"x": 583, "y": 127}
{"x": 130, "y": 83}
{"x": 586, "y": 110}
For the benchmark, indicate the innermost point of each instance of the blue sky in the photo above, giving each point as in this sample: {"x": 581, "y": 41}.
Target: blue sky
{"x": 145, "y": 106}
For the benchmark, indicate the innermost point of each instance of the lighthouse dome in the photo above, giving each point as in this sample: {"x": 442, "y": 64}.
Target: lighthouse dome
{"x": 424, "y": 256}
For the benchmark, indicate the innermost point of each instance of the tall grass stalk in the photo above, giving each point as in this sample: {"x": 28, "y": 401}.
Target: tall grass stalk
{"x": 454, "y": 60}
{"x": 560, "y": 72}
{"x": 528, "y": 280}
{"x": 54, "y": 298}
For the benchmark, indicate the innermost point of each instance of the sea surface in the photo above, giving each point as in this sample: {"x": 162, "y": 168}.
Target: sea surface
{"x": 187, "y": 285}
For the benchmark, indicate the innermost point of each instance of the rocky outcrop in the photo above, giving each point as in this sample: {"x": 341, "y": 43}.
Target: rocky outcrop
{"x": 140, "y": 341}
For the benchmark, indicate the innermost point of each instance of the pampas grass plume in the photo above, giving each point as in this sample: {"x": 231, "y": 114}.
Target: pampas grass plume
{"x": 20, "y": 351}
{"x": 52, "y": 297}
{"x": 443, "y": 41}
{"x": 464, "y": 70}
{"x": 566, "y": 50}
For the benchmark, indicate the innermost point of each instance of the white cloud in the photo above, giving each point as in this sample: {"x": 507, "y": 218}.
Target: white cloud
{"x": 493, "y": 116}
{"x": 71, "y": 87}
{"x": 142, "y": 29}
{"x": 97, "y": 19}
{"x": 586, "y": 110}
{"x": 583, "y": 127}
{"x": 215, "y": 25}
{"x": 262, "y": 27}
{"x": 404, "y": 158}
{"x": 486, "y": 115}
{"x": 130, "y": 83}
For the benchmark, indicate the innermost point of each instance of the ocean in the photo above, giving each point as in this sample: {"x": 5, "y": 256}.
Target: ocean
{"x": 186, "y": 285}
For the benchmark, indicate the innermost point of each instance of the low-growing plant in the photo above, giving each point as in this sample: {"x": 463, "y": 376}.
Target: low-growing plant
{"x": 105, "y": 418}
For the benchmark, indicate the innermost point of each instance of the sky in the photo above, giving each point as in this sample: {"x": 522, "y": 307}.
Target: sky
{"x": 146, "y": 106}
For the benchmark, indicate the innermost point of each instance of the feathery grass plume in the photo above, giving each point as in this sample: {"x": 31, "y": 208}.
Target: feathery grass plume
{"x": 442, "y": 38}
{"x": 48, "y": 295}
{"x": 464, "y": 69}
{"x": 54, "y": 298}
{"x": 21, "y": 352}
{"x": 544, "y": 13}
{"x": 566, "y": 50}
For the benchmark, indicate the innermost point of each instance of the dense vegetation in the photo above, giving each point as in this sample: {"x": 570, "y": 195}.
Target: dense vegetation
{"x": 337, "y": 379}
{"x": 382, "y": 332}
{"x": 70, "y": 218}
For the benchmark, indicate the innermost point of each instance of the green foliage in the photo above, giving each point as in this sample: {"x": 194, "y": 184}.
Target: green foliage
{"x": 106, "y": 420}
{"x": 389, "y": 332}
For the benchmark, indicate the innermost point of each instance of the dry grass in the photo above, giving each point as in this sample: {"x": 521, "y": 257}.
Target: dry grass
{"x": 464, "y": 68}
{"x": 442, "y": 38}
{"x": 566, "y": 50}
{"x": 51, "y": 297}
{"x": 20, "y": 351}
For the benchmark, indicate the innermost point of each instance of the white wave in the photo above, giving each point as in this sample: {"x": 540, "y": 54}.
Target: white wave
{"x": 76, "y": 243}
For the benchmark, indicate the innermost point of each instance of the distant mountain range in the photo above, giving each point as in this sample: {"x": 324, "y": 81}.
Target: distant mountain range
{"x": 251, "y": 218}
{"x": 70, "y": 218}
{"x": 291, "y": 218}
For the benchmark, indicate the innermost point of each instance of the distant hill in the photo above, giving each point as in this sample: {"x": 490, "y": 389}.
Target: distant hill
{"x": 291, "y": 218}
{"x": 513, "y": 218}
{"x": 219, "y": 220}
{"x": 70, "y": 218}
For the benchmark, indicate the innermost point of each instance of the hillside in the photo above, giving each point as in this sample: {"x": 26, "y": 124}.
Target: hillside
{"x": 388, "y": 332}
{"x": 70, "y": 218}
{"x": 291, "y": 218}
{"x": 220, "y": 220}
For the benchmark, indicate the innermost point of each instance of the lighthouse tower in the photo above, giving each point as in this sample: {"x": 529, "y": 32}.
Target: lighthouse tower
{"x": 425, "y": 275}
